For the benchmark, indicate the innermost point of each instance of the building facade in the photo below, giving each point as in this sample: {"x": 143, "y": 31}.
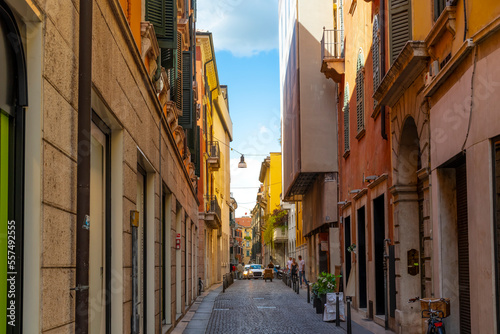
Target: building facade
{"x": 309, "y": 131}
{"x": 351, "y": 56}
{"x": 244, "y": 228}
{"x": 215, "y": 130}
{"x": 107, "y": 233}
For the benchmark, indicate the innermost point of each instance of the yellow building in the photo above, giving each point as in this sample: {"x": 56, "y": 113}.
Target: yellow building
{"x": 216, "y": 133}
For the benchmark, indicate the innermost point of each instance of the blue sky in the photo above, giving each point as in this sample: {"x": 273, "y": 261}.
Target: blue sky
{"x": 245, "y": 35}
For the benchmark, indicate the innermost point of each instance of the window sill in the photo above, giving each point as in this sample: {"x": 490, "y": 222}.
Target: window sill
{"x": 445, "y": 22}
{"x": 347, "y": 153}
{"x": 361, "y": 134}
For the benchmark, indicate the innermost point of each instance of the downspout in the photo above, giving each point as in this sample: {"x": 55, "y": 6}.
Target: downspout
{"x": 83, "y": 168}
{"x": 382, "y": 64}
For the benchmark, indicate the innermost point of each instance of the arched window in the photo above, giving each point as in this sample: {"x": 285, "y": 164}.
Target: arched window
{"x": 360, "y": 93}
{"x": 376, "y": 54}
{"x": 346, "y": 118}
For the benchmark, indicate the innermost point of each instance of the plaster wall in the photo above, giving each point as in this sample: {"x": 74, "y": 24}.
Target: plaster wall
{"x": 318, "y": 112}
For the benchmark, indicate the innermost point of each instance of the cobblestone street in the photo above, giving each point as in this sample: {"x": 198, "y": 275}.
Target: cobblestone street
{"x": 255, "y": 306}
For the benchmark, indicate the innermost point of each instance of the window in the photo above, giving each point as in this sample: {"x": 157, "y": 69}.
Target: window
{"x": 248, "y": 243}
{"x": 439, "y": 6}
{"x": 360, "y": 92}
{"x": 248, "y": 253}
{"x": 346, "y": 118}
{"x": 247, "y": 234}
{"x": 399, "y": 26}
{"x": 376, "y": 55}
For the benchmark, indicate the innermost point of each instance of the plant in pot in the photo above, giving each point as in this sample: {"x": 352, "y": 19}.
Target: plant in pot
{"x": 325, "y": 283}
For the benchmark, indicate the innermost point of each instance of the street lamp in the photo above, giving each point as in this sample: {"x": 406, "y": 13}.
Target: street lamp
{"x": 242, "y": 163}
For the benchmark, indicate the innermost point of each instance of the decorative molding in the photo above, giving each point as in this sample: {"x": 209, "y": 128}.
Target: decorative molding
{"x": 359, "y": 195}
{"x": 333, "y": 68}
{"x": 411, "y": 62}
{"x": 149, "y": 47}
{"x": 378, "y": 181}
{"x": 445, "y": 22}
{"x": 163, "y": 87}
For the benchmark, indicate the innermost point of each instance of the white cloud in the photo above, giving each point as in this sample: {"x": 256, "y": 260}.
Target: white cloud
{"x": 245, "y": 184}
{"x": 244, "y": 28}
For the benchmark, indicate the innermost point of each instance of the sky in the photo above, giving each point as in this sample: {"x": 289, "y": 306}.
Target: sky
{"x": 245, "y": 35}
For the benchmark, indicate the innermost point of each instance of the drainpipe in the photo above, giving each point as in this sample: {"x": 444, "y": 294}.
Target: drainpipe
{"x": 83, "y": 169}
{"x": 382, "y": 63}
{"x": 387, "y": 243}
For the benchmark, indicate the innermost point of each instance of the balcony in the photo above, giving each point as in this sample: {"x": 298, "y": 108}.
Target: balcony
{"x": 213, "y": 152}
{"x": 332, "y": 54}
{"x": 280, "y": 235}
{"x": 213, "y": 217}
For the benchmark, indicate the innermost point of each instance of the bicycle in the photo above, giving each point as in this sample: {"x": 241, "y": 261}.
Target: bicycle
{"x": 435, "y": 322}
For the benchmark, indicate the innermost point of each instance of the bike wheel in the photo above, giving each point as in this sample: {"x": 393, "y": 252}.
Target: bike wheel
{"x": 440, "y": 330}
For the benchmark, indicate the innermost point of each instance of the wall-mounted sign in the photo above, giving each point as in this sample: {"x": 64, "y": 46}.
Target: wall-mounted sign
{"x": 413, "y": 262}
{"x": 178, "y": 241}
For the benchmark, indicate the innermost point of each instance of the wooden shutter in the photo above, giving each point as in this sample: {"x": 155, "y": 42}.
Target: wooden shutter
{"x": 346, "y": 118}
{"x": 186, "y": 120}
{"x": 376, "y": 55}
{"x": 178, "y": 75}
{"x": 360, "y": 94}
{"x": 155, "y": 13}
{"x": 399, "y": 26}
{"x": 463, "y": 249}
{"x": 167, "y": 58}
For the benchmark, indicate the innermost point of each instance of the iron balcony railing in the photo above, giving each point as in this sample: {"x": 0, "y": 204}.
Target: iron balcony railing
{"x": 213, "y": 150}
{"x": 212, "y": 206}
{"x": 332, "y": 44}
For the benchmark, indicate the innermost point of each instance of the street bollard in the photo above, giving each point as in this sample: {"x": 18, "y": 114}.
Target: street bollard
{"x": 337, "y": 310}
{"x": 297, "y": 286}
{"x": 349, "y": 329}
{"x": 224, "y": 283}
{"x": 308, "y": 294}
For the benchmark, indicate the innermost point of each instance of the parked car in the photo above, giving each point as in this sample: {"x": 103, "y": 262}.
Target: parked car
{"x": 255, "y": 271}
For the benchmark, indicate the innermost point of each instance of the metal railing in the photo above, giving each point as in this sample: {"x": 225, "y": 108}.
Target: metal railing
{"x": 332, "y": 44}
{"x": 212, "y": 206}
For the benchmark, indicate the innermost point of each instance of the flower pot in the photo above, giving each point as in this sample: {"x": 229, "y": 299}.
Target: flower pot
{"x": 320, "y": 305}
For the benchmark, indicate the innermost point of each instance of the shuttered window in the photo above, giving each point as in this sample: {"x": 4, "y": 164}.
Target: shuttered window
{"x": 360, "y": 93}
{"x": 197, "y": 155}
{"x": 176, "y": 74}
{"x": 163, "y": 15}
{"x": 438, "y": 8}
{"x": 399, "y": 26}
{"x": 376, "y": 55}
{"x": 346, "y": 118}
{"x": 186, "y": 120}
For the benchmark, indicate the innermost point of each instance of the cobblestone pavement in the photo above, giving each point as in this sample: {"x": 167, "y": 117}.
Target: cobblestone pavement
{"x": 256, "y": 306}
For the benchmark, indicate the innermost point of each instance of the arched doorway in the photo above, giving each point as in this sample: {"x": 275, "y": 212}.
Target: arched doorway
{"x": 410, "y": 234}
{"x": 13, "y": 99}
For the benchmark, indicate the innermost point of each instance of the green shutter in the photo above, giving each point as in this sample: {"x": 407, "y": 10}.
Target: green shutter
{"x": 155, "y": 13}
{"x": 399, "y": 26}
{"x": 186, "y": 120}
{"x": 178, "y": 76}
{"x": 346, "y": 118}
{"x": 360, "y": 94}
{"x": 168, "y": 39}
{"x": 167, "y": 58}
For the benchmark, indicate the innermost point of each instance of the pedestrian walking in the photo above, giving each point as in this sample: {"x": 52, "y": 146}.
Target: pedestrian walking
{"x": 295, "y": 268}
{"x": 289, "y": 264}
{"x": 302, "y": 271}
{"x": 240, "y": 270}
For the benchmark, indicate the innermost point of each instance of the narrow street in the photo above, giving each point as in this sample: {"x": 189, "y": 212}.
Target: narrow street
{"x": 256, "y": 306}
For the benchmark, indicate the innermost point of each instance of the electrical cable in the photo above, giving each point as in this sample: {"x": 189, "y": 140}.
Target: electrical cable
{"x": 471, "y": 97}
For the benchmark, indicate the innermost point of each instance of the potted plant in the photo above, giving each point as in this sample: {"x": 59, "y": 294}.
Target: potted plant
{"x": 325, "y": 283}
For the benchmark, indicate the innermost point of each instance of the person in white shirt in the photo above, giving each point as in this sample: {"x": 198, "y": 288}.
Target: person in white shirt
{"x": 302, "y": 271}
{"x": 289, "y": 264}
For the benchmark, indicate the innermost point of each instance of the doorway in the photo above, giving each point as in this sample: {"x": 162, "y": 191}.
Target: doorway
{"x": 361, "y": 250}
{"x": 100, "y": 233}
{"x": 347, "y": 243}
{"x": 379, "y": 237}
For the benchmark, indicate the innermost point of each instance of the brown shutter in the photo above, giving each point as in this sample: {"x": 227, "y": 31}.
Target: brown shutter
{"x": 463, "y": 249}
{"x": 360, "y": 95}
{"x": 399, "y": 26}
{"x": 376, "y": 55}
